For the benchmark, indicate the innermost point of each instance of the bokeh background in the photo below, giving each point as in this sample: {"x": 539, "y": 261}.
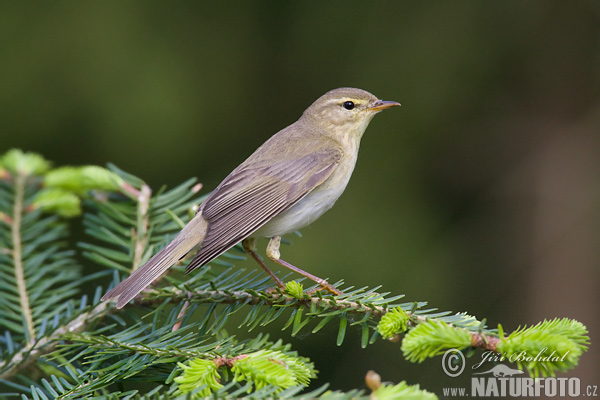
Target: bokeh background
{"x": 480, "y": 194}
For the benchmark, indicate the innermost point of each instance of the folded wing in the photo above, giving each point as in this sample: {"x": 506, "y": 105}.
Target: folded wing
{"x": 253, "y": 194}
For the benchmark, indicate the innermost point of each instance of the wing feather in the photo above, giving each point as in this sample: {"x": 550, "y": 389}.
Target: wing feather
{"x": 251, "y": 195}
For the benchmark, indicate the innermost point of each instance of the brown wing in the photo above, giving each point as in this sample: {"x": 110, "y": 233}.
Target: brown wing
{"x": 251, "y": 195}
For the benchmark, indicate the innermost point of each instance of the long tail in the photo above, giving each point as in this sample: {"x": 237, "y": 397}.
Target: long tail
{"x": 192, "y": 234}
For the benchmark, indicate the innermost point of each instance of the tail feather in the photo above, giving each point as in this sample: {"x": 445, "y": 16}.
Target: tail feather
{"x": 192, "y": 234}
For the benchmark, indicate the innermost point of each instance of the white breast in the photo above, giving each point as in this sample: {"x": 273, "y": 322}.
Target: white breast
{"x": 314, "y": 204}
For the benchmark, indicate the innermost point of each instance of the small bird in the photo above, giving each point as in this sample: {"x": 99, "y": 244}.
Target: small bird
{"x": 287, "y": 183}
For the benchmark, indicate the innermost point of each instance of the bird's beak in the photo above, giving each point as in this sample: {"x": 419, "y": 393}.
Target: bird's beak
{"x": 382, "y": 105}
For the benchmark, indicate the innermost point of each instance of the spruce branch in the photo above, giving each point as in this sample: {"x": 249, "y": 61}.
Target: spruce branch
{"x": 19, "y": 183}
{"x": 267, "y": 298}
{"x": 30, "y": 353}
{"x": 181, "y": 339}
{"x": 139, "y": 235}
{"x": 19, "y": 168}
{"x": 37, "y": 276}
{"x": 429, "y": 334}
{"x": 547, "y": 347}
{"x": 38, "y": 279}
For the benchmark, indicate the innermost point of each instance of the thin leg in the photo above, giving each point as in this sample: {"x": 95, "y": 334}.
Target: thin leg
{"x": 249, "y": 246}
{"x": 274, "y": 254}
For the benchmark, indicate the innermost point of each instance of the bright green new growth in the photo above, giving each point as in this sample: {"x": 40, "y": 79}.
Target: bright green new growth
{"x": 260, "y": 369}
{"x": 268, "y": 367}
{"x": 16, "y": 161}
{"x": 432, "y": 338}
{"x": 199, "y": 373}
{"x": 82, "y": 179}
{"x": 64, "y": 186}
{"x": 295, "y": 289}
{"x": 393, "y": 323}
{"x": 58, "y": 201}
{"x": 402, "y": 391}
{"x": 546, "y": 347}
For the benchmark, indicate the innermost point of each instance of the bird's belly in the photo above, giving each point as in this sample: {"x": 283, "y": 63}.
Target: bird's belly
{"x": 310, "y": 207}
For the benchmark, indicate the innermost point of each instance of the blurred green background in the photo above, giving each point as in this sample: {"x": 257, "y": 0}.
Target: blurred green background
{"x": 480, "y": 194}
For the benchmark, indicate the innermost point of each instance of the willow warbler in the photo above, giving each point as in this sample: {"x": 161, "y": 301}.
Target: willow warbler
{"x": 287, "y": 183}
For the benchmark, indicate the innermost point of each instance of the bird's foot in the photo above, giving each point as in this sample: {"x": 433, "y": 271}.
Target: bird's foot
{"x": 325, "y": 287}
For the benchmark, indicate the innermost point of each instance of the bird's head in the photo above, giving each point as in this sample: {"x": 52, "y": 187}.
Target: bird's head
{"x": 345, "y": 111}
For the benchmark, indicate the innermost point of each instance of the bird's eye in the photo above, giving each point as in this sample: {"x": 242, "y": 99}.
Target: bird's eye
{"x": 348, "y": 105}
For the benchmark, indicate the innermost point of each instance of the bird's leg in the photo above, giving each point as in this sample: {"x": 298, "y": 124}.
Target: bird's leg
{"x": 274, "y": 254}
{"x": 249, "y": 245}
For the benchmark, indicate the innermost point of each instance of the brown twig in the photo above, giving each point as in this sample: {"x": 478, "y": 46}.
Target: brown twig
{"x": 141, "y": 234}
{"x": 485, "y": 342}
{"x": 181, "y": 314}
{"x": 228, "y": 361}
{"x": 17, "y": 256}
